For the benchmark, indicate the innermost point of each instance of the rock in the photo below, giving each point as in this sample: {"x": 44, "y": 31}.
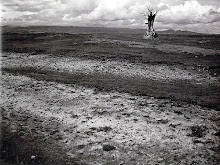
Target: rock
{"x": 178, "y": 112}
{"x": 81, "y": 146}
{"x": 143, "y": 104}
{"x": 93, "y": 128}
{"x": 32, "y": 157}
{"x": 104, "y": 129}
{"x": 74, "y": 116}
{"x": 217, "y": 134}
{"x": 162, "y": 121}
{"x": 197, "y": 141}
{"x": 108, "y": 147}
{"x": 135, "y": 120}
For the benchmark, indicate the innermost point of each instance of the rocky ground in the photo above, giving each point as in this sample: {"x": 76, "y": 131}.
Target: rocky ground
{"x": 103, "y": 98}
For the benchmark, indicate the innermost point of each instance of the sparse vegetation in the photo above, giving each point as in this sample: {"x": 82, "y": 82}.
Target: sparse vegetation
{"x": 89, "y": 97}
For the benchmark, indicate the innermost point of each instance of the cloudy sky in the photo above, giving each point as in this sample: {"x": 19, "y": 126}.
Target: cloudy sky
{"x": 194, "y": 15}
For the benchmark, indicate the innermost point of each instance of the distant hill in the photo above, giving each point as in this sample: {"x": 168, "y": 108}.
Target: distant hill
{"x": 89, "y": 30}
{"x": 70, "y": 29}
{"x": 179, "y": 32}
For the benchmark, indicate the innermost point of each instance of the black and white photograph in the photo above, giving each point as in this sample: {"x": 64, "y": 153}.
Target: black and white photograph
{"x": 110, "y": 82}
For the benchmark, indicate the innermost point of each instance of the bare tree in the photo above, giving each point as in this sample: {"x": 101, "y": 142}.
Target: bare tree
{"x": 150, "y": 16}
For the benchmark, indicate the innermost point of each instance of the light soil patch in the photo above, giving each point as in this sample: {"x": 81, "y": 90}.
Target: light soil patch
{"x": 143, "y": 130}
{"x": 76, "y": 65}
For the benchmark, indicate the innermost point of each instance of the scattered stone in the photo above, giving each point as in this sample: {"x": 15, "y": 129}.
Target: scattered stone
{"x": 178, "y": 112}
{"x": 132, "y": 98}
{"x": 108, "y": 147}
{"x": 88, "y": 132}
{"x": 74, "y": 116}
{"x": 163, "y": 121}
{"x": 217, "y": 133}
{"x": 208, "y": 142}
{"x": 126, "y": 114}
{"x": 93, "y": 128}
{"x": 135, "y": 120}
{"x": 187, "y": 117}
{"x": 174, "y": 125}
{"x": 161, "y": 105}
{"x": 197, "y": 141}
{"x": 142, "y": 104}
{"x": 81, "y": 146}
{"x": 102, "y": 112}
{"x": 32, "y": 157}
{"x": 104, "y": 129}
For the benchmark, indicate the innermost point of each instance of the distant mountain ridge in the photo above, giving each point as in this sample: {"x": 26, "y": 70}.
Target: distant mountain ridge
{"x": 171, "y": 31}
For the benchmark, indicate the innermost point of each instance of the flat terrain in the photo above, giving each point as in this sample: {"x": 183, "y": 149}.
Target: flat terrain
{"x": 73, "y": 95}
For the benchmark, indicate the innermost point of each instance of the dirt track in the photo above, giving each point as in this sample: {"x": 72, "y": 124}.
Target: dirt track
{"x": 85, "y": 108}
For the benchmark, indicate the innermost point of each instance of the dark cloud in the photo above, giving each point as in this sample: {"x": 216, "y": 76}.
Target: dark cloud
{"x": 213, "y": 12}
{"x": 29, "y": 8}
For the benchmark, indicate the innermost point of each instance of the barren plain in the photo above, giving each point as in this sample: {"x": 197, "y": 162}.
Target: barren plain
{"x": 74, "y": 95}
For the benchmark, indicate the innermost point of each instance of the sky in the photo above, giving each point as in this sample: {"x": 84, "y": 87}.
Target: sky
{"x": 193, "y": 15}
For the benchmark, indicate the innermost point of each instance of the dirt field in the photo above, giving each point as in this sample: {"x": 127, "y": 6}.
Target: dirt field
{"x": 107, "y": 96}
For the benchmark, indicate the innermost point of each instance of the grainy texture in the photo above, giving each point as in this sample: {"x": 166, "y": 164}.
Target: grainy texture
{"x": 107, "y": 96}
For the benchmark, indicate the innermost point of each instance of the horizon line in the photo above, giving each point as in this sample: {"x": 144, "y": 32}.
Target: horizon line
{"x": 159, "y": 30}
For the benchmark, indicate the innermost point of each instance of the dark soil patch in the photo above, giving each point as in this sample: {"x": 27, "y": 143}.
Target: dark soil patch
{"x": 198, "y": 131}
{"x": 26, "y": 145}
{"x": 182, "y": 90}
{"x": 51, "y": 40}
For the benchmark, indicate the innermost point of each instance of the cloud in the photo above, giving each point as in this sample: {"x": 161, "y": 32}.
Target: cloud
{"x": 188, "y": 13}
{"x": 111, "y": 13}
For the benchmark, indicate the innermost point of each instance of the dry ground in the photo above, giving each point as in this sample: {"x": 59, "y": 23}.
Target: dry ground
{"x": 107, "y": 96}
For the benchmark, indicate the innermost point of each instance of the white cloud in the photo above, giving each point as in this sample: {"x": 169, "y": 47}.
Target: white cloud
{"x": 188, "y": 13}
{"x": 119, "y": 13}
